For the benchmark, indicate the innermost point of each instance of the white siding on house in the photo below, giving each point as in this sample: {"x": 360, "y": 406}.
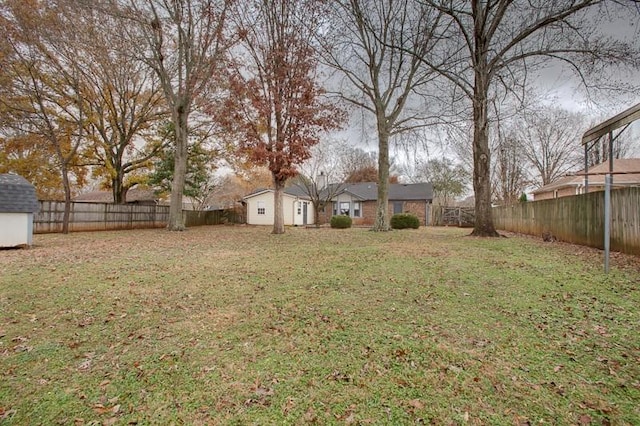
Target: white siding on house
{"x": 16, "y": 229}
{"x": 299, "y": 210}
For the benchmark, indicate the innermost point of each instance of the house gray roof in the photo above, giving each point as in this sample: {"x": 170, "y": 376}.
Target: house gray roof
{"x": 367, "y": 191}
{"x": 17, "y": 195}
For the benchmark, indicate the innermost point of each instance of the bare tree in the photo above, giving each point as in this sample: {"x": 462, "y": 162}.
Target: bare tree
{"x": 358, "y": 165}
{"x": 320, "y": 176}
{"x": 623, "y": 147}
{"x": 491, "y": 47}
{"x": 368, "y": 45}
{"x": 550, "y": 141}
{"x": 449, "y": 180}
{"x": 509, "y": 170}
{"x": 184, "y": 42}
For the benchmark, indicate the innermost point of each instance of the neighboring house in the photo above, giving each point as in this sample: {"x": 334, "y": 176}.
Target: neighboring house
{"x": 626, "y": 173}
{"x": 359, "y": 201}
{"x": 297, "y": 207}
{"x": 134, "y": 196}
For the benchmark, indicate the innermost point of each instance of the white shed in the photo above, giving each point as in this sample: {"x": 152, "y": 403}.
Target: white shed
{"x": 297, "y": 208}
{"x": 18, "y": 203}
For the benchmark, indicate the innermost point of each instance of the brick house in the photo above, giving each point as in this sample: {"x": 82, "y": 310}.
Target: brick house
{"x": 359, "y": 200}
{"x": 626, "y": 173}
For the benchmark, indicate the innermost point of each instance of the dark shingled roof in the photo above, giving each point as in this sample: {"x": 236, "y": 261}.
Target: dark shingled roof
{"x": 293, "y": 190}
{"x": 397, "y": 191}
{"x": 17, "y": 195}
{"x": 367, "y": 191}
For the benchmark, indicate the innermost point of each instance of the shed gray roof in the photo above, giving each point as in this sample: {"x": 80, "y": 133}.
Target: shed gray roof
{"x": 17, "y": 195}
{"x": 292, "y": 190}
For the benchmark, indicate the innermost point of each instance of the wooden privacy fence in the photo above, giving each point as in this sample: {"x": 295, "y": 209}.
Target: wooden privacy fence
{"x": 453, "y": 216}
{"x": 106, "y": 216}
{"x": 99, "y": 216}
{"x": 212, "y": 217}
{"x": 578, "y": 219}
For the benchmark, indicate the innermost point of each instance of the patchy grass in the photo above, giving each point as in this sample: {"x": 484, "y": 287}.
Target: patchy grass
{"x": 233, "y": 325}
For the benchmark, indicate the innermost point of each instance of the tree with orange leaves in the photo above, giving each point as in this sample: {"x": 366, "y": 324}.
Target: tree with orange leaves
{"x": 45, "y": 96}
{"x": 276, "y": 103}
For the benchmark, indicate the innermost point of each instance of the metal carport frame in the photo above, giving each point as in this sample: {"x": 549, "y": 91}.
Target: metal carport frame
{"x": 590, "y": 138}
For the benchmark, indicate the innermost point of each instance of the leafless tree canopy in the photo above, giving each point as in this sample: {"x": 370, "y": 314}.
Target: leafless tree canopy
{"x": 369, "y": 46}
{"x": 185, "y": 43}
{"x": 491, "y": 49}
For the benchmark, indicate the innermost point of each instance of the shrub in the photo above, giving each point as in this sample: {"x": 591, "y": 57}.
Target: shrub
{"x": 405, "y": 220}
{"x": 341, "y": 222}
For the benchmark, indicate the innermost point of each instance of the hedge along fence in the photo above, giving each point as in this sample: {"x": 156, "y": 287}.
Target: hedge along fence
{"x": 107, "y": 216}
{"x": 578, "y": 219}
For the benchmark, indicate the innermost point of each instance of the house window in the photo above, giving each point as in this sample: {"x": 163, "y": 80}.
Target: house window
{"x": 345, "y": 208}
{"x": 261, "y": 207}
{"x": 357, "y": 211}
{"x": 299, "y": 208}
{"x": 335, "y": 208}
{"x": 397, "y": 207}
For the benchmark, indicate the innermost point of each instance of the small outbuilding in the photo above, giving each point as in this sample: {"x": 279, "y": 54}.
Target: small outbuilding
{"x": 296, "y": 205}
{"x": 18, "y": 203}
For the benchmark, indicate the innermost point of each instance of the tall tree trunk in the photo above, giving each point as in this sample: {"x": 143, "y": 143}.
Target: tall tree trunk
{"x": 278, "y": 211}
{"x": 117, "y": 187}
{"x": 176, "y": 220}
{"x": 482, "y": 160}
{"x": 67, "y": 199}
{"x": 316, "y": 213}
{"x": 382, "y": 208}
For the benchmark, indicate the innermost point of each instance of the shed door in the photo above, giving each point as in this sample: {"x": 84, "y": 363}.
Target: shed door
{"x": 304, "y": 213}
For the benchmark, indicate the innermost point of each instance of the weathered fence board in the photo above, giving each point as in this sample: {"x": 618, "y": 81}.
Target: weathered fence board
{"x": 106, "y": 216}
{"x": 578, "y": 219}
{"x": 213, "y": 217}
{"x": 453, "y": 216}
{"x": 99, "y": 217}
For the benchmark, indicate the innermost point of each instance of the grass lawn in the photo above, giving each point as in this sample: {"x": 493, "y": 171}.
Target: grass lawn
{"x": 233, "y": 325}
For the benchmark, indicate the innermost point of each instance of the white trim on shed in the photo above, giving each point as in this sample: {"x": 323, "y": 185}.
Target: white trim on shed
{"x": 260, "y": 209}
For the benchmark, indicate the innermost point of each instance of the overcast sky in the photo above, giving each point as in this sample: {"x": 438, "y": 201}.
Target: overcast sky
{"x": 564, "y": 89}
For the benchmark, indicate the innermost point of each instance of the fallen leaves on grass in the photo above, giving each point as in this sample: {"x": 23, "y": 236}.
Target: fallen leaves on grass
{"x": 5, "y": 414}
{"x": 101, "y": 409}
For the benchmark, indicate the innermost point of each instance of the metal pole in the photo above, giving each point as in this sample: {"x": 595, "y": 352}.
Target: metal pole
{"x": 607, "y": 221}
{"x": 607, "y": 206}
{"x": 586, "y": 168}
